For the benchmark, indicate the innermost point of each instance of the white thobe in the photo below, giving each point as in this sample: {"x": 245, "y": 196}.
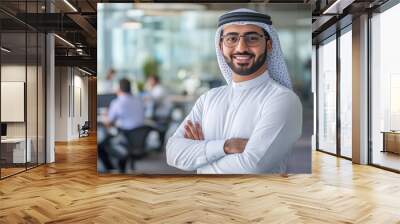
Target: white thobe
{"x": 261, "y": 110}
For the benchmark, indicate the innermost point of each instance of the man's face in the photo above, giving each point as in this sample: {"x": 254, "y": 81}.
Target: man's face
{"x": 152, "y": 81}
{"x": 242, "y": 58}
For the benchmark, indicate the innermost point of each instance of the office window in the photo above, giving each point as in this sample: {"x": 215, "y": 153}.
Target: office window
{"x": 346, "y": 94}
{"x": 385, "y": 87}
{"x": 327, "y": 96}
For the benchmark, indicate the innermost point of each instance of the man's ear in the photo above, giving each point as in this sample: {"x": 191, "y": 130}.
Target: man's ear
{"x": 269, "y": 46}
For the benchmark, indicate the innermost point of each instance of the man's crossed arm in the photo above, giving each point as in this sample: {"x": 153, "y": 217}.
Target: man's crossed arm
{"x": 272, "y": 139}
{"x": 188, "y": 150}
{"x": 233, "y": 145}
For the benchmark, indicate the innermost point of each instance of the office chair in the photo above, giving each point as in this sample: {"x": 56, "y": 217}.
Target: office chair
{"x": 84, "y": 130}
{"x": 136, "y": 144}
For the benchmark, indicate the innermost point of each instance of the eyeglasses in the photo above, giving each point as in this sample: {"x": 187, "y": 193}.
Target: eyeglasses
{"x": 251, "y": 39}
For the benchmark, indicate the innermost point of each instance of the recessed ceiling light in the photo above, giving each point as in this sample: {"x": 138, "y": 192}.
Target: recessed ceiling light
{"x": 337, "y": 7}
{"x": 5, "y": 49}
{"x": 70, "y": 5}
{"x": 84, "y": 71}
{"x": 65, "y": 41}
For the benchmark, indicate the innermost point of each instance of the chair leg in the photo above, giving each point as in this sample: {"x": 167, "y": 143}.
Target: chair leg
{"x": 122, "y": 165}
{"x": 105, "y": 157}
{"x": 132, "y": 164}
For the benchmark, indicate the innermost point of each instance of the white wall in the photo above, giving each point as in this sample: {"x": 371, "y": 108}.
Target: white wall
{"x": 71, "y": 94}
{"x": 61, "y": 103}
{"x": 79, "y": 112}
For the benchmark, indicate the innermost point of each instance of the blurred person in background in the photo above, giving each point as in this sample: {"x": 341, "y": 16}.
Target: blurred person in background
{"x": 126, "y": 112}
{"x": 158, "y": 104}
{"x": 107, "y": 85}
{"x": 155, "y": 88}
{"x": 251, "y": 124}
{"x": 156, "y": 99}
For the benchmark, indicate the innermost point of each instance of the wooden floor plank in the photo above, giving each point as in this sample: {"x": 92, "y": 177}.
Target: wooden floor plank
{"x": 71, "y": 191}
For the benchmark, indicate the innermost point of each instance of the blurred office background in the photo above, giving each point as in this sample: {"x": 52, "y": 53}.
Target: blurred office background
{"x": 176, "y": 43}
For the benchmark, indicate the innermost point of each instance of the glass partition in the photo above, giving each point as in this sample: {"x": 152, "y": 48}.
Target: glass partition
{"x": 346, "y": 94}
{"x": 327, "y": 96}
{"x": 22, "y": 92}
{"x": 31, "y": 97}
{"x": 14, "y": 152}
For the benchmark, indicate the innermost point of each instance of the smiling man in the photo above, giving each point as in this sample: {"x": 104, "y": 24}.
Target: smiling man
{"x": 251, "y": 124}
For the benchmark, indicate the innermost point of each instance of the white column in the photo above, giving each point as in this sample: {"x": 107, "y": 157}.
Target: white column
{"x": 314, "y": 92}
{"x": 50, "y": 101}
{"x": 360, "y": 90}
{"x": 50, "y": 92}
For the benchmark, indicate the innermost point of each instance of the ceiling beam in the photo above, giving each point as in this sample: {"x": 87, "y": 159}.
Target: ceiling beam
{"x": 84, "y": 24}
{"x": 82, "y": 61}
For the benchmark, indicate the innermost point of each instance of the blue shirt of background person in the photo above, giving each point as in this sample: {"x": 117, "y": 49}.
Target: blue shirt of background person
{"x": 126, "y": 112}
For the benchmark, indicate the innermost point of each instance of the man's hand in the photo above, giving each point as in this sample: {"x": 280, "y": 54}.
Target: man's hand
{"x": 235, "y": 145}
{"x": 193, "y": 131}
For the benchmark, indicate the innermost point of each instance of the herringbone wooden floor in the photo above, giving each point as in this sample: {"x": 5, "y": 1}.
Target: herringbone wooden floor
{"x": 70, "y": 191}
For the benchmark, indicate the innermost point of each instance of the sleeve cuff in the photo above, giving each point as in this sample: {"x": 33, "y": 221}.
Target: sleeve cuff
{"x": 214, "y": 150}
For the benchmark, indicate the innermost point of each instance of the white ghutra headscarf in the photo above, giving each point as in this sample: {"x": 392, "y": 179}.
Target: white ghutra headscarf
{"x": 275, "y": 62}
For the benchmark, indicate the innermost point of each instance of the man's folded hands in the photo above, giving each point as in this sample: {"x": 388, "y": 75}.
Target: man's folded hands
{"x": 234, "y": 145}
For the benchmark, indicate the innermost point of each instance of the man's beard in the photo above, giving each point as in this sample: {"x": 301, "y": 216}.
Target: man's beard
{"x": 242, "y": 70}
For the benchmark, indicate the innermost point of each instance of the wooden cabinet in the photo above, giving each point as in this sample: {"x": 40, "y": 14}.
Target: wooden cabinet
{"x": 391, "y": 142}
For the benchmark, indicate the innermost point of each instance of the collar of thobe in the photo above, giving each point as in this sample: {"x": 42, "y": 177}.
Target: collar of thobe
{"x": 262, "y": 79}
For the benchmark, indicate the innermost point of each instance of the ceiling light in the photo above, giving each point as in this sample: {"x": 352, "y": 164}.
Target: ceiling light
{"x": 84, "y": 71}
{"x": 131, "y": 25}
{"x": 170, "y": 6}
{"x": 337, "y": 7}
{"x": 5, "y": 49}
{"x": 65, "y": 41}
{"x": 331, "y": 7}
{"x": 70, "y": 5}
